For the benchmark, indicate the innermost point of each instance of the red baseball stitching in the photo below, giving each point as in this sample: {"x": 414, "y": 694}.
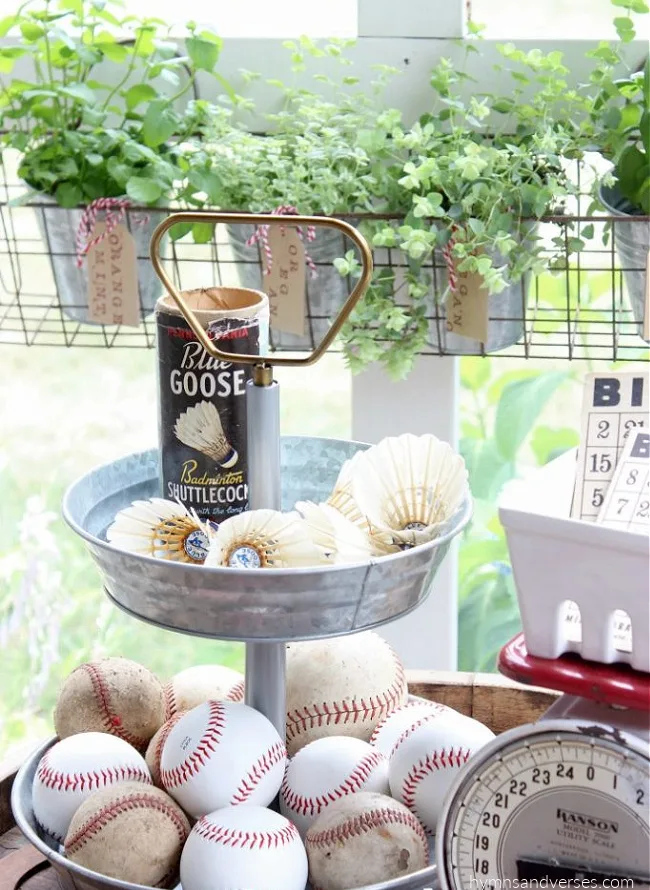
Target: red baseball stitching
{"x": 251, "y": 840}
{"x": 207, "y": 745}
{"x": 436, "y": 760}
{"x": 112, "y": 722}
{"x": 411, "y": 729}
{"x": 363, "y": 823}
{"x": 260, "y": 768}
{"x": 310, "y": 806}
{"x": 237, "y": 692}
{"x": 349, "y": 712}
{"x": 134, "y": 802}
{"x": 162, "y": 738}
{"x": 436, "y": 708}
{"x": 91, "y": 780}
{"x": 169, "y": 698}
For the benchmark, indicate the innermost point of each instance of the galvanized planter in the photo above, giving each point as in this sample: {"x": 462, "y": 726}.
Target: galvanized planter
{"x": 326, "y": 293}
{"x": 84, "y": 879}
{"x": 59, "y": 232}
{"x": 251, "y": 604}
{"x": 632, "y": 242}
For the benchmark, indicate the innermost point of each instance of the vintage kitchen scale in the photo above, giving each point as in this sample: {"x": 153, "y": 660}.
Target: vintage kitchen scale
{"x": 501, "y": 817}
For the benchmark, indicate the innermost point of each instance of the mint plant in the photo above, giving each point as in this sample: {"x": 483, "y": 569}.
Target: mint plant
{"x": 85, "y": 134}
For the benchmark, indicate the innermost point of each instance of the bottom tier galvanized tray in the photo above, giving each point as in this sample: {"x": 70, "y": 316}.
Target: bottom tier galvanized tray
{"x": 252, "y": 604}
{"x": 84, "y": 879}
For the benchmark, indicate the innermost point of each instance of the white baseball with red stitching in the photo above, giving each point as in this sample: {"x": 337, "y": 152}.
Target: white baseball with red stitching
{"x": 327, "y": 770}
{"x": 388, "y": 731}
{"x": 202, "y": 682}
{"x": 239, "y": 847}
{"x": 364, "y": 839}
{"x": 73, "y": 769}
{"x": 339, "y": 687}
{"x": 222, "y": 754}
{"x": 427, "y": 758}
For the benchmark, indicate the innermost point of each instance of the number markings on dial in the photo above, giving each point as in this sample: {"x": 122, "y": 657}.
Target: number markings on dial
{"x": 543, "y": 765}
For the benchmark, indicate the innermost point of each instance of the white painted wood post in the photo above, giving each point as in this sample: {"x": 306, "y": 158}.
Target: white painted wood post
{"x": 426, "y": 402}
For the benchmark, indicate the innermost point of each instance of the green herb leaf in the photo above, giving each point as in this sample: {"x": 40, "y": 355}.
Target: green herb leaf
{"x": 159, "y": 123}
{"x": 68, "y": 195}
{"x": 31, "y": 31}
{"x": 141, "y": 92}
{"x": 204, "y": 53}
{"x": 202, "y": 232}
{"x": 80, "y": 93}
{"x": 143, "y": 190}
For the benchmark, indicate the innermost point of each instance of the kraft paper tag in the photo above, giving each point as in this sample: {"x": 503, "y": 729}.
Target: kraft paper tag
{"x": 113, "y": 279}
{"x": 467, "y": 307}
{"x": 285, "y": 284}
{"x": 646, "y": 311}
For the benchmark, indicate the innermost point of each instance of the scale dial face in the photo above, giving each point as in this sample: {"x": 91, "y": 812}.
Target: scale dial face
{"x": 558, "y": 799}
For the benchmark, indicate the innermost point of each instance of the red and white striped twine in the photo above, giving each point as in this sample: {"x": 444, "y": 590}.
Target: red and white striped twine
{"x": 115, "y": 209}
{"x": 261, "y": 235}
{"x": 447, "y": 252}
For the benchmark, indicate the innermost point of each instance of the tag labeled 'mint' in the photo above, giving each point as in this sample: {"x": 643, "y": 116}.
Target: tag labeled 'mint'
{"x": 467, "y": 307}
{"x": 113, "y": 296}
{"x": 285, "y": 284}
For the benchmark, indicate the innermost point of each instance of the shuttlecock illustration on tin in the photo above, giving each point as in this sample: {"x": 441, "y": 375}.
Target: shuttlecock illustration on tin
{"x": 337, "y": 537}
{"x": 407, "y": 487}
{"x": 200, "y": 428}
{"x": 160, "y": 528}
{"x": 262, "y": 539}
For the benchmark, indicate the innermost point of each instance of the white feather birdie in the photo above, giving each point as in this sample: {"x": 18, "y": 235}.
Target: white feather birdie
{"x": 200, "y": 428}
{"x": 262, "y": 539}
{"x": 160, "y": 528}
{"x": 407, "y": 487}
{"x": 339, "y": 540}
{"x": 341, "y": 497}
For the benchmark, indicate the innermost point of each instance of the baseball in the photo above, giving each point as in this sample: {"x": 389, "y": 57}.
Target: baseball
{"x": 220, "y": 754}
{"x": 112, "y": 833}
{"x": 155, "y": 746}
{"x": 388, "y": 730}
{"x": 427, "y": 758}
{"x": 113, "y": 695}
{"x": 76, "y": 767}
{"x": 249, "y": 847}
{"x": 339, "y": 687}
{"x": 364, "y": 839}
{"x": 203, "y": 682}
{"x": 326, "y": 770}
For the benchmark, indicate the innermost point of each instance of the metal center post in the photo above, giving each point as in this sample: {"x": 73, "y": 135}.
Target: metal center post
{"x": 265, "y": 662}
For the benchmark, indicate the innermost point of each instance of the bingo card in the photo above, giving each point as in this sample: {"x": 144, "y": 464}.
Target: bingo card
{"x": 627, "y": 502}
{"x": 614, "y": 404}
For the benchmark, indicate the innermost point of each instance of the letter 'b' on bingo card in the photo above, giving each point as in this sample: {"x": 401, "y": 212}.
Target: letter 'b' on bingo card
{"x": 614, "y": 405}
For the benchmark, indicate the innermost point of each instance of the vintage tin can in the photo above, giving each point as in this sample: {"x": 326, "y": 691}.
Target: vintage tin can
{"x": 201, "y": 400}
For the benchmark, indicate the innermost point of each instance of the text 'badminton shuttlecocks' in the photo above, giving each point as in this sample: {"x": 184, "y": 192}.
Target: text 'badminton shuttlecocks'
{"x": 161, "y": 528}
{"x": 200, "y": 428}
{"x": 339, "y": 540}
{"x": 262, "y": 539}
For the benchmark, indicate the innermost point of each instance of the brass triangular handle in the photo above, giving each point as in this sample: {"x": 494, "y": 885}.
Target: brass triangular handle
{"x": 263, "y": 219}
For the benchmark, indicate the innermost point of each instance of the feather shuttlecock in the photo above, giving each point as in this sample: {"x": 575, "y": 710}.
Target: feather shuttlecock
{"x": 160, "y": 528}
{"x": 339, "y": 540}
{"x": 262, "y": 539}
{"x": 407, "y": 487}
{"x": 342, "y": 498}
{"x": 200, "y": 428}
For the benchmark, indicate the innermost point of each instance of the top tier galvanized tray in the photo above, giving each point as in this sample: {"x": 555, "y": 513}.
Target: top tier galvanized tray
{"x": 251, "y": 604}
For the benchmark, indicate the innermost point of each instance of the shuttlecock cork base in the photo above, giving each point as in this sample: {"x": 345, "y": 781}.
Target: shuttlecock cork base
{"x": 202, "y": 405}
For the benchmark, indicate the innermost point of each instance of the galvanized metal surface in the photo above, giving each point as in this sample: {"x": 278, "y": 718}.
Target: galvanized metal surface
{"x": 632, "y": 246}
{"x": 59, "y": 227}
{"x": 251, "y": 604}
{"x": 84, "y": 879}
